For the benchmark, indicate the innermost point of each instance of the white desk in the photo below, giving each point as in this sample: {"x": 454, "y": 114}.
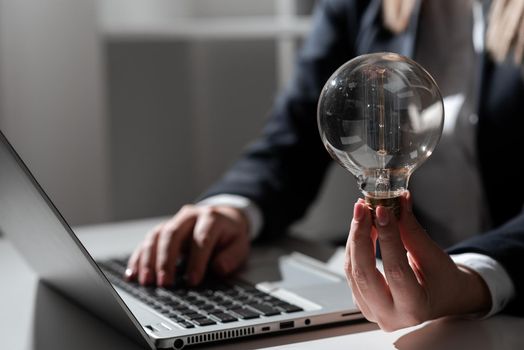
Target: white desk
{"x": 35, "y": 317}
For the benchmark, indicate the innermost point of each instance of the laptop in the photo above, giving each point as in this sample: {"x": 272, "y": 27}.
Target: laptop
{"x": 293, "y": 291}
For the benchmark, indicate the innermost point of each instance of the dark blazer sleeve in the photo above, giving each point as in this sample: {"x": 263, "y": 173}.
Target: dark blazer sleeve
{"x": 506, "y": 245}
{"x": 283, "y": 170}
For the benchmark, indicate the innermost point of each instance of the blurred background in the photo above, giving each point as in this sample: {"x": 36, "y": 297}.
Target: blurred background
{"x": 125, "y": 109}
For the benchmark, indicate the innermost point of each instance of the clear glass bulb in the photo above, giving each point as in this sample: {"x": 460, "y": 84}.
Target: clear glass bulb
{"x": 380, "y": 116}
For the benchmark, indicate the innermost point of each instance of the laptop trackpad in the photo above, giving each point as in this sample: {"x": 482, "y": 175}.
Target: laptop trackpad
{"x": 292, "y": 271}
{"x": 305, "y": 282}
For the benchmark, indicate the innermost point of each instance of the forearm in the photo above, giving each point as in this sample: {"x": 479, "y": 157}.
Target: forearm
{"x": 282, "y": 171}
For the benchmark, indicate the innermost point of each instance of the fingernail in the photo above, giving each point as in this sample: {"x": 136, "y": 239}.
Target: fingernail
{"x": 358, "y": 212}
{"x": 129, "y": 274}
{"x": 382, "y": 216}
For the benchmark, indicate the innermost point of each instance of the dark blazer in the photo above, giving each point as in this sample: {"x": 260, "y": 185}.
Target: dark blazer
{"x": 283, "y": 170}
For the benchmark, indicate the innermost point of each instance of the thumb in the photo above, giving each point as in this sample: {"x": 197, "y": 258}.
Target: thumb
{"x": 231, "y": 256}
{"x": 417, "y": 242}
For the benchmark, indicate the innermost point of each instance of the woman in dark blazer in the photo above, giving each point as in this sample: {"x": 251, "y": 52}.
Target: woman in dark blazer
{"x": 280, "y": 175}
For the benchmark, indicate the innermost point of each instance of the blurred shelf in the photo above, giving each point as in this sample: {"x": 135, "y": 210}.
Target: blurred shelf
{"x": 256, "y": 27}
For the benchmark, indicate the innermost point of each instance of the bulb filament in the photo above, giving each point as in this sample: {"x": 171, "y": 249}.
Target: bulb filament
{"x": 382, "y": 182}
{"x": 381, "y": 120}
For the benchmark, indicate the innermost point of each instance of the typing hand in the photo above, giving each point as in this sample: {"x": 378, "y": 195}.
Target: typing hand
{"x": 215, "y": 236}
{"x": 421, "y": 281}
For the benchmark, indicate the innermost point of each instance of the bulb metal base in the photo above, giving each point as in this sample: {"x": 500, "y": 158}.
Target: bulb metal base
{"x": 393, "y": 204}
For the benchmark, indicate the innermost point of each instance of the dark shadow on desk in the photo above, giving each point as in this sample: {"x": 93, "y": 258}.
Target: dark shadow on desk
{"x": 60, "y": 324}
{"x": 496, "y": 333}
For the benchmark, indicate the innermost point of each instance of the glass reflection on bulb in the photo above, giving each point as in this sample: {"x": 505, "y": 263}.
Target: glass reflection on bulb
{"x": 380, "y": 116}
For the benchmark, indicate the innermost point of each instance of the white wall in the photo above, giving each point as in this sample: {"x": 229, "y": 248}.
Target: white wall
{"x": 52, "y": 101}
{"x": 121, "y": 129}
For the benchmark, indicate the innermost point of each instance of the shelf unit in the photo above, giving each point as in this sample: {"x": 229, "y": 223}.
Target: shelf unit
{"x": 232, "y": 56}
{"x": 285, "y": 21}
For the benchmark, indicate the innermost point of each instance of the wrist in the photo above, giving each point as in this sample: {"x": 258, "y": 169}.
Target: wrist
{"x": 248, "y": 208}
{"x": 474, "y": 295}
{"x": 236, "y": 215}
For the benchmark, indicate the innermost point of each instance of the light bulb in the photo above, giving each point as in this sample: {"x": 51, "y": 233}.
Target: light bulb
{"x": 380, "y": 116}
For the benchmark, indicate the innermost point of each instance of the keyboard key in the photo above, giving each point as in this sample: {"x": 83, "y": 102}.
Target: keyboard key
{"x": 147, "y": 291}
{"x": 271, "y": 299}
{"x": 224, "y": 302}
{"x": 166, "y": 311}
{"x": 194, "y": 316}
{"x": 288, "y": 308}
{"x": 199, "y": 302}
{"x": 183, "y": 310}
{"x": 244, "y": 313}
{"x": 243, "y": 298}
{"x": 179, "y": 293}
{"x": 204, "y": 322}
{"x": 217, "y": 299}
{"x": 207, "y": 293}
{"x": 189, "y": 298}
{"x": 228, "y": 304}
{"x": 157, "y": 306}
{"x": 264, "y": 309}
{"x": 207, "y": 307}
{"x": 223, "y": 317}
{"x": 251, "y": 290}
{"x": 176, "y": 318}
{"x": 174, "y": 304}
{"x": 232, "y": 293}
{"x": 186, "y": 324}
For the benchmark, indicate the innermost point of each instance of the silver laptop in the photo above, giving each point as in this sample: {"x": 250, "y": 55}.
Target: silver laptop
{"x": 288, "y": 292}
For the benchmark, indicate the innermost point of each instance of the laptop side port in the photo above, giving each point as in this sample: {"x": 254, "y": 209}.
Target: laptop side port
{"x": 178, "y": 344}
{"x": 287, "y": 325}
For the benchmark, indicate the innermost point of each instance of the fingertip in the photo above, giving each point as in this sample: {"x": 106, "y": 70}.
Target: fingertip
{"x": 407, "y": 201}
{"x": 129, "y": 274}
{"x": 163, "y": 279}
{"x": 358, "y": 212}
{"x": 382, "y": 216}
{"x": 222, "y": 266}
{"x": 160, "y": 278}
{"x": 146, "y": 277}
{"x": 193, "y": 278}
{"x": 188, "y": 277}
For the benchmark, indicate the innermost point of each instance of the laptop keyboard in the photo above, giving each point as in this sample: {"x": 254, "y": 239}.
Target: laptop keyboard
{"x": 211, "y": 303}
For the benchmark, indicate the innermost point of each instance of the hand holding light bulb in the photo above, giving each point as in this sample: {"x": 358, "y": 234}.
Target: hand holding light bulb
{"x": 380, "y": 116}
{"x": 420, "y": 282}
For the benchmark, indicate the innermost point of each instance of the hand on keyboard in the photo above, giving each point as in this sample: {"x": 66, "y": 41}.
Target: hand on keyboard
{"x": 207, "y": 236}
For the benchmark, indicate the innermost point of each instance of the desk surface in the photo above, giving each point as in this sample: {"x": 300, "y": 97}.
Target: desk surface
{"x": 36, "y": 317}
